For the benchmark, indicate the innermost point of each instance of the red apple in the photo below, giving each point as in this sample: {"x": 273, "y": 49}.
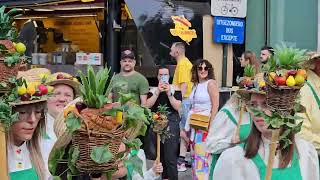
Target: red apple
{"x": 280, "y": 80}
{"x": 292, "y": 73}
{"x": 43, "y": 89}
{"x": 60, "y": 76}
{"x": 25, "y": 97}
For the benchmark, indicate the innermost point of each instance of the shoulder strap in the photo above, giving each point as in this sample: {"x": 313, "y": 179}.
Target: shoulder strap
{"x": 314, "y": 93}
{"x": 229, "y": 114}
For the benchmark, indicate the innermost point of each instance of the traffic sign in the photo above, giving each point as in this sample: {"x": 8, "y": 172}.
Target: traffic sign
{"x": 228, "y": 30}
{"x": 229, "y": 8}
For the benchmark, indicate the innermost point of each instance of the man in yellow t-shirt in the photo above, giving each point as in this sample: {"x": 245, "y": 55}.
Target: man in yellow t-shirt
{"x": 182, "y": 80}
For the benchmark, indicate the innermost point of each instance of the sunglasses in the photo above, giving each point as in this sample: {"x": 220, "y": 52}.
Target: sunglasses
{"x": 203, "y": 68}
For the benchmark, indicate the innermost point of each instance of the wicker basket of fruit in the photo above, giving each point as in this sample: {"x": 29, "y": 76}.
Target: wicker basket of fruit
{"x": 98, "y": 127}
{"x": 12, "y": 57}
{"x": 284, "y": 78}
{"x": 160, "y": 119}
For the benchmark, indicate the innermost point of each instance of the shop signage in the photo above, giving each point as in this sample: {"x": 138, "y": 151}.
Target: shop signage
{"x": 229, "y": 8}
{"x": 182, "y": 29}
{"x": 228, "y": 30}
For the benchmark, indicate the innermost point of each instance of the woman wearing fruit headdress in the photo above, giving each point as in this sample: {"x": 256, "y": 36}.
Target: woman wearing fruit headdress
{"x": 27, "y": 127}
{"x": 248, "y": 161}
{"x": 310, "y": 99}
{"x": 272, "y": 149}
{"x": 65, "y": 89}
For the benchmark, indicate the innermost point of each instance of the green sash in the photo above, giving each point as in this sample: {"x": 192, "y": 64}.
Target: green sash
{"x": 314, "y": 93}
{"x": 290, "y": 173}
{"x": 243, "y": 134}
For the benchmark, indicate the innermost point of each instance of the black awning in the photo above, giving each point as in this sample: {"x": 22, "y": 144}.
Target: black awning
{"x": 24, "y": 2}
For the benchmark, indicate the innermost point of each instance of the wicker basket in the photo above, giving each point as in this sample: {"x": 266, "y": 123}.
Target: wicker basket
{"x": 86, "y": 141}
{"x": 160, "y": 125}
{"x": 8, "y": 72}
{"x": 281, "y": 98}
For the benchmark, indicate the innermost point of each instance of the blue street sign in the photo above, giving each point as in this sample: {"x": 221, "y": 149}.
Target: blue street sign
{"x": 228, "y": 30}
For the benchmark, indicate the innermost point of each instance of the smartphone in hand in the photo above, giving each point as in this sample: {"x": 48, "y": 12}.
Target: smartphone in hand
{"x": 164, "y": 79}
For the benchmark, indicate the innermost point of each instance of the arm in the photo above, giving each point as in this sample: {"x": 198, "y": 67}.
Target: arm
{"x": 143, "y": 90}
{"x": 176, "y": 104}
{"x": 143, "y": 100}
{"x": 183, "y": 88}
{"x": 214, "y": 97}
{"x": 150, "y": 101}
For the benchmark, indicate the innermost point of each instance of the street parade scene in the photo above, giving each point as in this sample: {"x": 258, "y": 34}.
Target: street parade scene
{"x": 159, "y": 89}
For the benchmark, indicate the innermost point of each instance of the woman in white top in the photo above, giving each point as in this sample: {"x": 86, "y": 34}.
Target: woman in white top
{"x": 248, "y": 161}
{"x": 205, "y": 101}
{"x": 222, "y": 130}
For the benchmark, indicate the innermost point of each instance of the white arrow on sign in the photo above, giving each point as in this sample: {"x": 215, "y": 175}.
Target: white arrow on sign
{"x": 229, "y": 8}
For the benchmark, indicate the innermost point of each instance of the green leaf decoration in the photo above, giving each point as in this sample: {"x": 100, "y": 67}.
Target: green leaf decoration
{"x": 69, "y": 175}
{"x": 74, "y": 154}
{"x": 136, "y": 163}
{"x": 3, "y": 84}
{"x": 73, "y": 123}
{"x": 54, "y": 160}
{"x": 56, "y": 178}
{"x": 133, "y": 144}
{"x": 101, "y": 154}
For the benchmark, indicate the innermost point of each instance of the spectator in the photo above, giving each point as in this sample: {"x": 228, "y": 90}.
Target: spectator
{"x": 182, "y": 80}
{"x": 165, "y": 94}
{"x": 205, "y": 101}
{"x": 249, "y": 57}
{"x": 265, "y": 53}
{"x": 130, "y": 81}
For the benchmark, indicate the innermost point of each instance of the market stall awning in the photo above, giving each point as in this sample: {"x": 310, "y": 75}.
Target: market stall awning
{"x": 21, "y": 3}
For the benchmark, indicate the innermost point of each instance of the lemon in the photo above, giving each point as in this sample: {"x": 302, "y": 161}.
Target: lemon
{"x": 290, "y": 81}
{"x": 299, "y": 79}
{"x": 22, "y": 90}
{"x": 262, "y": 84}
{"x": 31, "y": 90}
{"x": 20, "y": 48}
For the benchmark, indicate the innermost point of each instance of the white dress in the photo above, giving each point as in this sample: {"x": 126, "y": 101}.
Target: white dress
{"x": 222, "y": 129}
{"x": 232, "y": 165}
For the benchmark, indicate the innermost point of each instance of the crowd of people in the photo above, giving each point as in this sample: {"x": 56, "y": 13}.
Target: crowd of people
{"x": 221, "y": 146}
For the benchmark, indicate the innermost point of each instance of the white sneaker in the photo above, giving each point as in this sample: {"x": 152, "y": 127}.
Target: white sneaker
{"x": 182, "y": 167}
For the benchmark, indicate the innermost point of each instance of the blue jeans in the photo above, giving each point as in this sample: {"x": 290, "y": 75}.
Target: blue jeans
{"x": 185, "y": 108}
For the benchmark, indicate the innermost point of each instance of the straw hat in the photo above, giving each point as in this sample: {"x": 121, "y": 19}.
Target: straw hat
{"x": 66, "y": 79}
{"x": 31, "y": 76}
{"x": 61, "y": 131}
{"x": 313, "y": 57}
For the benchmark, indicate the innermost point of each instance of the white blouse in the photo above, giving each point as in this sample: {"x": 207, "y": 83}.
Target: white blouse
{"x": 240, "y": 168}
{"x": 222, "y": 130}
{"x": 147, "y": 174}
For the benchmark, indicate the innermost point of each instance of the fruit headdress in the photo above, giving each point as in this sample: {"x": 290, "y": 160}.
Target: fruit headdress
{"x": 66, "y": 79}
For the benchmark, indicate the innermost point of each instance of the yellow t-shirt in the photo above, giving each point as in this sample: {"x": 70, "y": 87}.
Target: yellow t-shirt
{"x": 182, "y": 74}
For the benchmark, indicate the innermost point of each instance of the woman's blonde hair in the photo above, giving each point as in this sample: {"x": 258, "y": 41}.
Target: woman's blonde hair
{"x": 33, "y": 145}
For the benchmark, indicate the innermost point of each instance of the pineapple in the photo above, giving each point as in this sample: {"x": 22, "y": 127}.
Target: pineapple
{"x": 163, "y": 109}
{"x": 288, "y": 58}
{"x": 94, "y": 89}
{"x": 248, "y": 74}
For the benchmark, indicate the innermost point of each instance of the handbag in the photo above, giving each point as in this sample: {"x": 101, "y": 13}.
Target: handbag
{"x": 199, "y": 121}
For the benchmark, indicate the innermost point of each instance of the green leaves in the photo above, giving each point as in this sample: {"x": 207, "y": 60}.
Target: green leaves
{"x": 54, "y": 160}
{"x": 74, "y": 154}
{"x": 7, "y": 31}
{"x": 12, "y": 59}
{"x": 134, "y": 163}
{"x": 101, "y": 154}
{"x": 133, "y": 144}
{"x": 93, "y": 89}
{"x": 73, "y": 123}
{"x": 249, "y": 71}
{"x": 7, "y": 116}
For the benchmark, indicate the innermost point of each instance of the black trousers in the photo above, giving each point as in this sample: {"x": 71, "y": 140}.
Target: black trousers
{"x": 170, "y": 149}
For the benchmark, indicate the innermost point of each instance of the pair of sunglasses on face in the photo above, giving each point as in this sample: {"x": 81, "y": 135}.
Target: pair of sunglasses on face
{"x": 203, "y": 68}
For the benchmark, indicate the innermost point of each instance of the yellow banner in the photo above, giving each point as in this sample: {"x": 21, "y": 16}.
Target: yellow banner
{"x": 182, "y": 29}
